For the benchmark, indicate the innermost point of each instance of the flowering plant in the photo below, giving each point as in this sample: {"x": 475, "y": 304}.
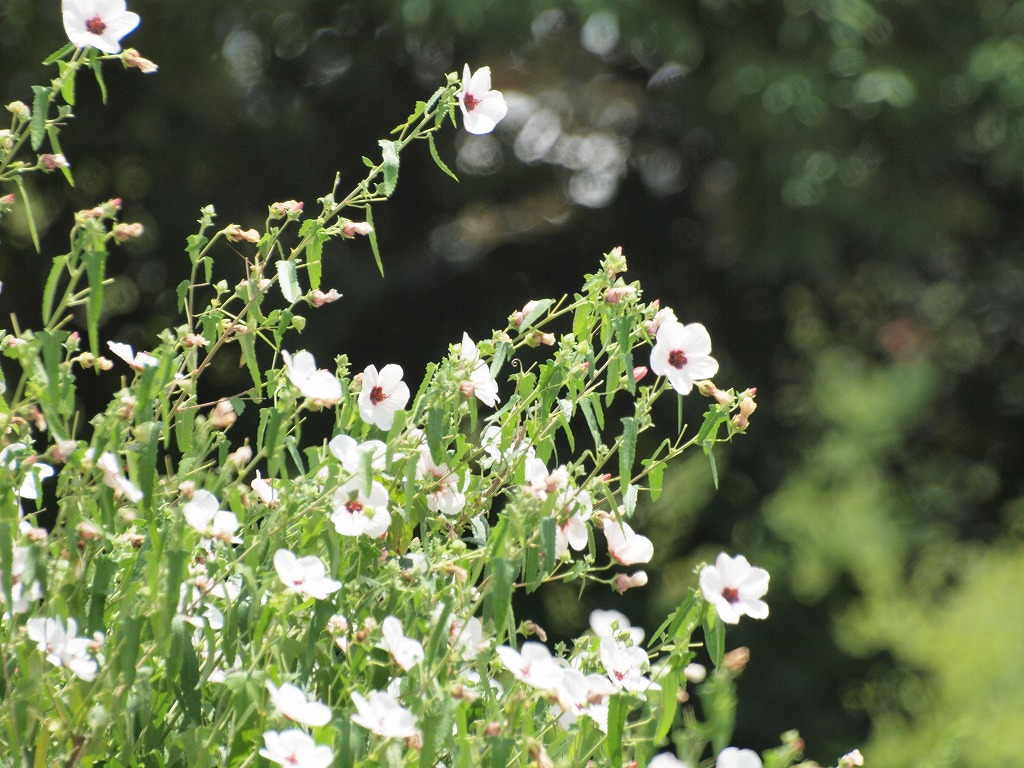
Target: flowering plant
{"x": 354, "y": 604}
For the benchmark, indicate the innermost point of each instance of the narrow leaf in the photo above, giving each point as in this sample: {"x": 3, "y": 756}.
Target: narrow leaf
{"x": 373, "y": 240}
{"x": 30, "y": 218}
{"x": 96, "y": 270}
{"x": 59, "y": 54}
{"x": 627, "y": 451}
{"x": 437, "y": 158}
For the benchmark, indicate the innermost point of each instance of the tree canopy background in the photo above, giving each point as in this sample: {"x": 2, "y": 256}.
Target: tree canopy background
{"x": 833, "y": 187}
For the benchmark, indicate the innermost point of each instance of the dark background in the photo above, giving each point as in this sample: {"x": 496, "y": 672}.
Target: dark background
{"x": 833, "y": 188}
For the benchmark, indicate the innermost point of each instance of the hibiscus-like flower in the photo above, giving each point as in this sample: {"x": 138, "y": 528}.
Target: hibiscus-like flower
{"x": 533, "y": 664}
{"x": 37, "y": 470}
{"x": 482, "y": 108}
{"x": 382, "y": 715}
{"x": 406, "y": 651}
{"x": 62, "y": 647}
{"x": 319, "y": 385}
{"x": 683, "y": 354}
{"x": 99, "y": 23}
{"x": 731, "y": 757}
{"x": 203, "y": 513}
{"x": 480, "y": 382}
{"x": 305, "y": 575}
{"x": 735, "y": 588}
{"x": 291, "y": 702}
{"x": 295, "y": 749}
{"x": 625, "y": 546}
{"x": 382, "y": 395}
{"x": 358, "y": 512}
{"x": 137, "y": 360}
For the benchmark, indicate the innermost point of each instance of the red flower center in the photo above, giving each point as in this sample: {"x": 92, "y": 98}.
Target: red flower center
{"x": 95, "y": 25}
{"x": 470, "y": 101}
{"x": 677, "y": 358}
{"x": 354, "y": 505}
{"x": 377, "y": 395}
{"x": 731, "y": 594}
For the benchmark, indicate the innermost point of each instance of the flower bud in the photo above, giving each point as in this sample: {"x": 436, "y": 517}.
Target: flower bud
{"x": 320, "y": 298}
{"x": 639, "y": 372}
{"x": 695, "y": 673}
{"x": 415, "y": 741}
{"x": 467, "y": 388}
{"x": 493, "y": 729}
{"x": 7, "y": 200}
{"x": 353, "y": 228}
{"x": 616, "y": 262}
{"x": 520, "y": 314}
{"x": 737, "y": 659}
{"x": 53, "y": 162}
{"x": 187, "y": 488}
{"x": 89, "y": 531}
{"x": 616, "y": 294}
{"x": 223, "y": 414}
{"x": 240, "y": 457}
{"x": 194, "y": 340}
{"x": 123, "y": 232}
{"x": 236, "y": 234}
{"x": 35, "y": 534}
{"x": 131, "y": 58}
{"x": 104, "y": 364}
{"x": 286, "y": 209}
{"x": 850, "y": 759}
{"x": 661, "y": 316}
{"x": 624, "y": 582}
{"x": 20, "y": 110}
{"x": 747, "y": 407}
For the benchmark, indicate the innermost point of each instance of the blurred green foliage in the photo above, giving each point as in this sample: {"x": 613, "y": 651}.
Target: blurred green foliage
{"x": 833, "y": 187}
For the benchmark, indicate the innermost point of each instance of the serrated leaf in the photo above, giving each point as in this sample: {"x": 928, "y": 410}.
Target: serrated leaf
{"x": 50, "y": 289}
{"x": 655, "y": 478}
{"x": 289, "y": 281}
{"x": 97, "y": 70}
{"x": 30, "y": 218}
{"x": 314, "y": 265}
{"x": 40, "y": 111}
{"x": 59, "y": 54}
{"x": 627, "y": 450}
{"x": 96, "y": 271}
{"x": 67, "y": 86}
{"x": 437, "y": 158}
{"x": 390, "y": 155}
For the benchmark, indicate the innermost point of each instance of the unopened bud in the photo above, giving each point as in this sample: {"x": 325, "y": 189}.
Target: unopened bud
{"x": 661, "y": 316}
{"x": 415, "y": 741}
{"x": 134, "y": 540}
{"x": 288, "y": 208}
{"x": 194, "y": 340}
{"x": 695, "y": 673}
{"x": 236, "y": 234}
{"x": 20, "y": 110}
{"x": 737, "y": 659}
{"x": 54, "y": 162}
{"x": 353, "y": 228}
{"x": 747, "y": 407}
{"x": 617, "y": 293}
{"x": 240, "y": 457}
{"x": 467, "y": 388}
{"x": 62, "y": 451}
{"x": 624, "y": 582}
{"x": 320, "y": 298}
{"x": 187, "y": 488}
{"x": 7, "y": 199}
{"x": 124, "y": 232}
{"x": 89, "y": 531}
{"x": 520, "y": 314}
{"x": 103, "y": 363}
{"x": 616, "y": 262}
{"x": 223, "y": 414}
{"x": 639, "y": 372}
{"x": 493, "y": 729}
{"x": 540, "y": 755}
{"x": 850, "y": 759}
{"x": 131, "y": 58}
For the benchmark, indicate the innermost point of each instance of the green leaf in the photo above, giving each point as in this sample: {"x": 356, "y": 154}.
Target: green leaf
{"x": 617, "y": 712}
{"x": 102, "y": 576}
{"x": 97, "y": 70}
{"x": 289, "y": 281}
{"x": 436, "y": 729}
{"x": 67, "y": 87}
{"x": 435, "y": 433}
{"x": 59, "y": 54}
{"x": 588, "y": 413}
{"x": 30, "y": 218}
{"x": 50, "y": 289}
{"x": 6, "y": 561}
{"x": 437, "y": 158}
{"x": 40, "y": 111}
{"x": 714, "y": 636}
{"x": 501, "y": 751}
{"x": 54, "y": 136}
{"x": 627, "y": 451}
{"x": 96, "y": 270}
{"x": 247, "y": 342}
{"x": 498, "y": 603}
{"x": 390, "y": 154}
{"x": 669, "y": 704}
{"x": 314, "y": 261}
{"x": 373, "y": 240}
{"x": 655, "y": 478}
{"x": 540, "y": 308}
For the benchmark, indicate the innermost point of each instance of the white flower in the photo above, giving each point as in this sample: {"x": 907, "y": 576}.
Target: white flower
{"x": 443, "y": 492}
{"x": 61, "y": 646}
{"x": 37, "y": 470}
{"x": 291, "y": 702}
{"x": 406, "y": 652}
{"x": 534, "y": 665}
{"x": 850, "y": 759}
{"x": 382, "y": 394}
{"x": 482, "y": 108}
{"x": 295, "y": 749}
{"x": 626, "y": 547}
{"x": 667, "y": 760}
{"x": 99, "y": 23}
{"x": 265, "y": 490}
{"x": 316, "y": 384}
{"x": 695, "y": 673}
{"x": 625, "y": 665}
{"x": 22, "y": 595}
{"x": 467, "y": 637}
{"x": 139, "y": 361}
{"x": 383, "y": 715}
{"x": 355, "y": 456}
{"x": 683, "y": 354}
{"x": 539, "y": 482}
{"x": 204, "y": 514}
{"x": 491, "y": 443}
{"x": 574, "y": 531}
{"x": 111, "y": 468}
{"x": 481, "y": 383}
{"x": 735, "y": 588}
{"x": 614, "y": 624}
{"x": 731, "y": 757}
{"x": 305, "y": 575}
{"x": 357, "y": 512}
